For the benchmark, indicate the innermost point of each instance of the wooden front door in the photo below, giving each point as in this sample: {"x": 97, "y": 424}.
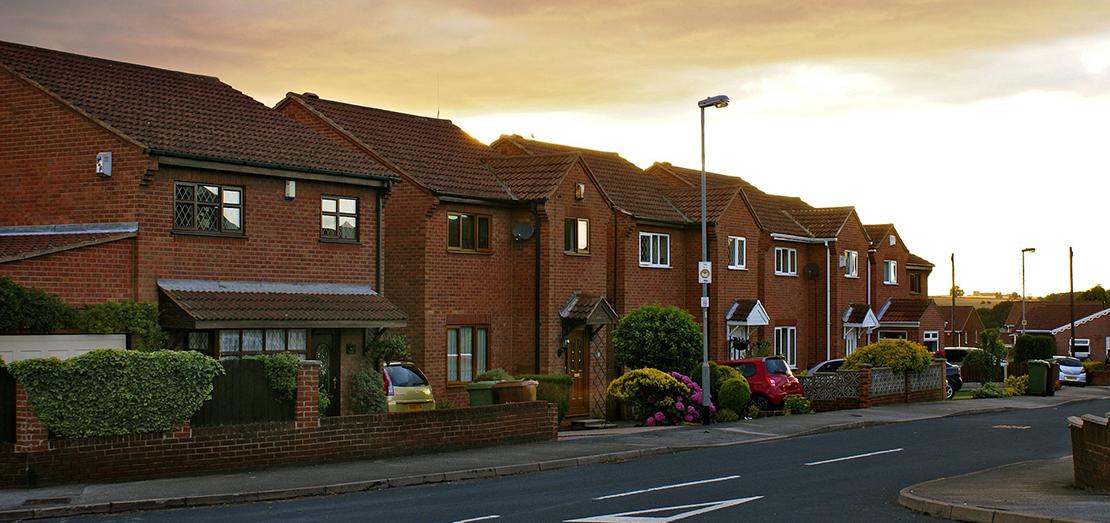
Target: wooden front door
{"x": 578, "y": 366}
{"x": 326, "y": 346}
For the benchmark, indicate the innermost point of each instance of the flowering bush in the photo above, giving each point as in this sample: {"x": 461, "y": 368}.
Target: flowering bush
{"x": 663, "y": 399}
{"x": 899, "y": 355}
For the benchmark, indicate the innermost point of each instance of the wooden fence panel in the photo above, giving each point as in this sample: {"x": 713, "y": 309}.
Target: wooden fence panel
{"x": 243, "y": 395}
{"x": 7, "y": 407}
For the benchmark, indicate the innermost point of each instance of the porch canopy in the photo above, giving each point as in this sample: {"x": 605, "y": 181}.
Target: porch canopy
{"x": 860, "y": 316}
{"x": 215, "y": 304}
{"x": 587, "y": 309}
{"x": 747, "y": 312}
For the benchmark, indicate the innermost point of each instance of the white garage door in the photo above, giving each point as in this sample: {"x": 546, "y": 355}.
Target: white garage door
{"x": 61, "y": 346}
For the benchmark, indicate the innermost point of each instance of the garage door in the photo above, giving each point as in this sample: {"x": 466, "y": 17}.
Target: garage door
{"x": 61, "y": 346}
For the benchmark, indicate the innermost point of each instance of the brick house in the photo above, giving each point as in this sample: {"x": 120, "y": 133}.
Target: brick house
{"x": 127, "y": 182}
{"x": 1053, "y": 318}
{"x": 968, "y": 326}
{"x": 479, "y": 231}
{"x": 1092, "y": 336}
{"x": 913, "y": 319}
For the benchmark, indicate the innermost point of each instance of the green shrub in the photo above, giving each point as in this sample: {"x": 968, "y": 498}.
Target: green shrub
{"x": 1089, "y": 366}
{"x": 718, "y": 374}
{"x": 323, "y": 401}
{"x": 761, "y": 349}
{"x": 368, "y": 392}
{"x": 983, "y": 362}
{"x": 795, "y": 404}
{"x": 444, "y": 404}
{"x": 26, "y": 309}
{"x": 494, "y": 375}
{"x": 899, "y": 355}
{"x": 1029, "y": 347}
{"x": 726, "y": 416}
{"x": 391, "y": 349}
{"x": 650, "y": 391}
{"x": 988, "y": 390}
{"x": 553, "y": 388}
{"x": 281, "y": 373}
{"x": 1017, "y": 385}
{"x": 659, "y": 337}
{"x": 125, "y": 317}
{"x": 735, "y": 394}
{"x": 112, "y": 392}
{"x": 752, "y": 412}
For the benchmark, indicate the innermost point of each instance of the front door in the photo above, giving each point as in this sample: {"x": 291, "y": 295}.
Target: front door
{"x": 578, "y": 366}
{"x": 326, "y": 346}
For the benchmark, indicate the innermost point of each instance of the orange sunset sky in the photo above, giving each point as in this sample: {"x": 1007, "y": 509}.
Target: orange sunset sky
{"x": 976, "y": 126}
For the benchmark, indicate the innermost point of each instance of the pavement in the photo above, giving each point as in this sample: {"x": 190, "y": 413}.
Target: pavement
{"x": 572, "y": 449}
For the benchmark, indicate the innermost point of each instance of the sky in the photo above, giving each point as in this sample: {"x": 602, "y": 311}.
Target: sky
{"x": 973, "y": 125}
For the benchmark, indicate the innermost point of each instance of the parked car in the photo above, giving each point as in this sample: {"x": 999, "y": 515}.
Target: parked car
{"x": 407, "y": 388}
{"x": 955, "y": 380}
{"x": 827, "y": 366}
{"x": 955, "y": 355}
{"x": 769, "y": 378}
{"x": 1071, "y": 370}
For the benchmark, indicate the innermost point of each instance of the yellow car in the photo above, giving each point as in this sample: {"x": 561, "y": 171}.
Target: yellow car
{"x": 406, "y": 388}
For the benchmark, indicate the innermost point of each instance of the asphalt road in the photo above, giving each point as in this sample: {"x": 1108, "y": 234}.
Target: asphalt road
{"x": 841, "y": 476}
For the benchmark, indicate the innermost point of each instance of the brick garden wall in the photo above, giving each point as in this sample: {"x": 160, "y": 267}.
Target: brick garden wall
{"x": 1090, "y": 448}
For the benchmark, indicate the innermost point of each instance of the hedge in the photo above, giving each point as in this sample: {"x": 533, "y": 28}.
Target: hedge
{"x": 659, "y": 337}
{"x": 26, "y": 309}
{"x": 281, "y": 373}
{"x": 1029, "y": 347}
{"x": 552, "y": 388}
{"x": 140, "y": 319}
{"x": 899, "y": 355}
{"x": 368, "y": 392}
{"x": 113, "y": 392}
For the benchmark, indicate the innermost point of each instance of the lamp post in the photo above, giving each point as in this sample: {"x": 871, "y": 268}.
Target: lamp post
{"x": 713, "y": 101}
{"x": 1023, "y": 251}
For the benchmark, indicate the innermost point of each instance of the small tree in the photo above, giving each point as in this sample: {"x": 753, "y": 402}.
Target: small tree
{"x": 658, "y": 337}
{"x": 392, "y": 348}
{"x": 1029, "y": 347}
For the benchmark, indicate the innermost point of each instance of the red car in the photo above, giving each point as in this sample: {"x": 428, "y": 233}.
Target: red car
{"x": 769, "y": 378}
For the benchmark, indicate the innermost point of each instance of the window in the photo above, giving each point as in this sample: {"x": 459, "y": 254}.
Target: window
{"x": 915, "y": 283}
{"x": 786, "y": 261}
{"x": 851, "y": 264}
{"x": 576, "y": 235}
{"x": 786, "y": 344}
{"x": 467, "y": 232}
{"x": 737, "y": 252}
{"x": 338, "y": 218}
{"x": 467, "y": 352}
{"x": 851, "y": 339}
{"x": 931, "y": 340}
{"x": 892, "y": 335}
{"x": 890, "y": 272}
{"x": 200, "y": 341}
{"x": 207, "y": 208}
{"x": 893, "y": 240}
{"x": 655, "y": 249}
{"x": 1082, "y": 347}
{"x": 235, "y": 343}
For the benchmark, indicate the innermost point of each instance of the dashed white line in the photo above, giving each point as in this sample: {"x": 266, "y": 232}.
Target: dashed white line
{"x": 665, "y": 487}
{"x": 483, "y": 518}
{"x": 857, "y": 456}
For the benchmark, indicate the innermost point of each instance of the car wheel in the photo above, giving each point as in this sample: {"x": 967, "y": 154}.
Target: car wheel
{"x": 761, "y": 403}
{"x": 949, "y": 391}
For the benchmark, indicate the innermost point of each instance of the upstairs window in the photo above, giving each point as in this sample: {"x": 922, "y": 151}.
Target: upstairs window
{"x": 339, "y": 218}
{"x": 786, "y": 261}
{"x": 737, "y": 252}
{"x": 851, "y": 264}
{"x": 207, "y": 208}
{"x": 467, "y": 232}
{"x": 576, "y": 236}
{"x": 655, "y": 250}
{"x": 890, "y": 272}
{"x": 915, "y": 283}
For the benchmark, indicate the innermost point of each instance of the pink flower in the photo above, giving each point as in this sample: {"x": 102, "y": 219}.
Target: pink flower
{"x": 691, "y": 409}
{"x": 712, "y": 408}
{"x": 660, "y": 417}
{"x": 650, "y": 422}
{"x": 696, "y": 397}
{"x": 689, "y": 418}
{"x": 679, "y": 406}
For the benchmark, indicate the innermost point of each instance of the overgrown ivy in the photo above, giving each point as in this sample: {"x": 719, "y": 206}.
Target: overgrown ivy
{"x": 140, "y": 319}
{"x": 26, "y": 309}
{"x": 113, "y": 392}
{"x": 281, "y": 373}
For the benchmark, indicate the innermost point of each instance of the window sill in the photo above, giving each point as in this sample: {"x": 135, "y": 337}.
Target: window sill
{"x": 642, "y": 266}
{"x": 856, "y": 277}
{"x": 787, "y": 274}
{"x": 209, "y": 234}
{"x": 461, "y": 251}
{"x": 340, "y": 241}
{"x": 579, "y": 254}
{"x": 737, "y": 267}
{"x": 892, "y": 284}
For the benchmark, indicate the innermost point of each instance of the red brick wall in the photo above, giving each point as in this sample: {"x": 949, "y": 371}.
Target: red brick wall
{"x": 848, "y": 290}
{"x": 899, "y": 253}
{"x": 796, "y": 300}
{"x": 650, "y": 285}
{"x": 728, "y": 284}
{"x": 1090, "y": 448}
{"x": 1097, "y": 331}
{"x": 93, "y": 274}
{"x": 251, "y": 446}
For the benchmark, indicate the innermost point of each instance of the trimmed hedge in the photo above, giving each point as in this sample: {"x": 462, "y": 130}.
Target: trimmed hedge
{"x": 113, "y": 392}
{"x": 553, "y": 388}
{"x": 659, "y": 337}
{"x": 140, "y": 319}
{"x": 281, "y": 373}
{"x": 735, "y": 394}
{"x": 899, "y": 355}
{"x": 718, "y": 375}
{"x": 497, "y": 374}
{"x": 26, "y": 309}
{"x": 368, "y": 392}
{"x": 1029, "y": 347}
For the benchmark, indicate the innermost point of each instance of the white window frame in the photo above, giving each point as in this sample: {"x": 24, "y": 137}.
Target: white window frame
{"x": 738, "y": 252}
{"x": 851, "y": 264}
{"x": 893, "y": 335}
{"x": 890, "y": 276}
{"x": 786, "y": 344}
{"x": 655, "y": 261}
{"x": 931, "y": 336}
{"x": 851, "y": 340}
{"x": 1081, "y": 345}
{"x": 788, "y": 256}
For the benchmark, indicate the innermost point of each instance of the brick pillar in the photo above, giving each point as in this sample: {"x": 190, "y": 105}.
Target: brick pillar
{"x": 864, "y": 386}
{"x": 307, "y": 414}
{"x": 30, "y": 434}
{"x": 943, "y": 376}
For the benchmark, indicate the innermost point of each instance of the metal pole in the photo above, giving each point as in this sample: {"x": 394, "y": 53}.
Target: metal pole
{"x": 704, "y": 292}
{"x": 953, "y": 320}
{"x": 1023, "y": 291}
{"x": 1071, "y": 297}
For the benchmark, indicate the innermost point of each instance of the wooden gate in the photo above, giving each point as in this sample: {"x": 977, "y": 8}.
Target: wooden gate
{"x": 7, "y": 407}
{"x": 243, "y": 395}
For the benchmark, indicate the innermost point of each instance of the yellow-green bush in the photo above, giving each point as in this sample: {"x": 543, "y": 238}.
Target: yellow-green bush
{"x": 1017, "y": 385}
{"x": 899, "y": 355}
{"x": 735, "y": 394}
{"x": 654, "y": 393}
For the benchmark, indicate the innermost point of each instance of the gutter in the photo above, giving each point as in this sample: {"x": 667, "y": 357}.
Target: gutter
{"x": 378, "y": 243}
{"x": 289, "y": 169}
{"x": 800, "y": 239}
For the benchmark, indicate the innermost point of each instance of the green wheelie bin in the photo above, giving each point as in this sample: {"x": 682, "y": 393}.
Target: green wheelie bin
{"x": 1038, "y": 378}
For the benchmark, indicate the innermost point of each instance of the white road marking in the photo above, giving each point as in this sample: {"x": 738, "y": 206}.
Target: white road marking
{"x": 679, "y": 485}
{"x": 1015, "y": 427}
{"x": 741, "y": 431}
{"x": 483, "y": 518}
{"x": 857, "y": 456}
{"x": 636, "y": 517}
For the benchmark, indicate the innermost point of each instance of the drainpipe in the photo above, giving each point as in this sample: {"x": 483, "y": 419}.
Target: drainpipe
{"x": 870, "y": 261}
{"x": 828, "y": 306}
{"x": 536, "y": 294}
{"x": 378, "y": 242}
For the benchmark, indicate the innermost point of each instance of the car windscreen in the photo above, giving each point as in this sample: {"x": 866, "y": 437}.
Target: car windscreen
{"x": 746, "y": 369}
{"x": 776, "y": 366}
{"x": 402, "y": 376}
{"x": 954, "y": 355}
{"x": 1069, "y": 362}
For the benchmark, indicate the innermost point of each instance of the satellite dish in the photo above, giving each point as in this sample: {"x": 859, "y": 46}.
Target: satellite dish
{"x": 812, "y": 271}
{"x": 523, "y": 232}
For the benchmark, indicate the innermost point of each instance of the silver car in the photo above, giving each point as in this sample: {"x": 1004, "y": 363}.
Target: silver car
{"x": 1071, "y": 370}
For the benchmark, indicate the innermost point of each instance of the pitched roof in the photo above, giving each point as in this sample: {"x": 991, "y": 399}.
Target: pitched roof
{"x": 907, "y": 310}
{"x": 717, "y": 200}
{"x": 823, "y": 222}
{"x": 435, "y": 153}
{"x": 532, "y": 177}
{"x": 963, "y": 313}
{"x": 171, "y": 113}
{"x": 917, "y": 260}
{"x": 630, "y": 188}
{"x": 877, "y": 232}
{"x": 1049, "y": 315}
{"x": 588, "y": 308}
{"x": 30, "y": 241}
{"x": 214, "y": 304}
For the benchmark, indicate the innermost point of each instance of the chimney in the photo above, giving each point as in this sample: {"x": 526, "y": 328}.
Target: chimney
{"x": 311, "y": 95}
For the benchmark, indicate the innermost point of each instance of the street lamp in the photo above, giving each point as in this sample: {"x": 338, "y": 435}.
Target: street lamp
{"x": 718, "y": 101}
{"x": 1023, "y": 251}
